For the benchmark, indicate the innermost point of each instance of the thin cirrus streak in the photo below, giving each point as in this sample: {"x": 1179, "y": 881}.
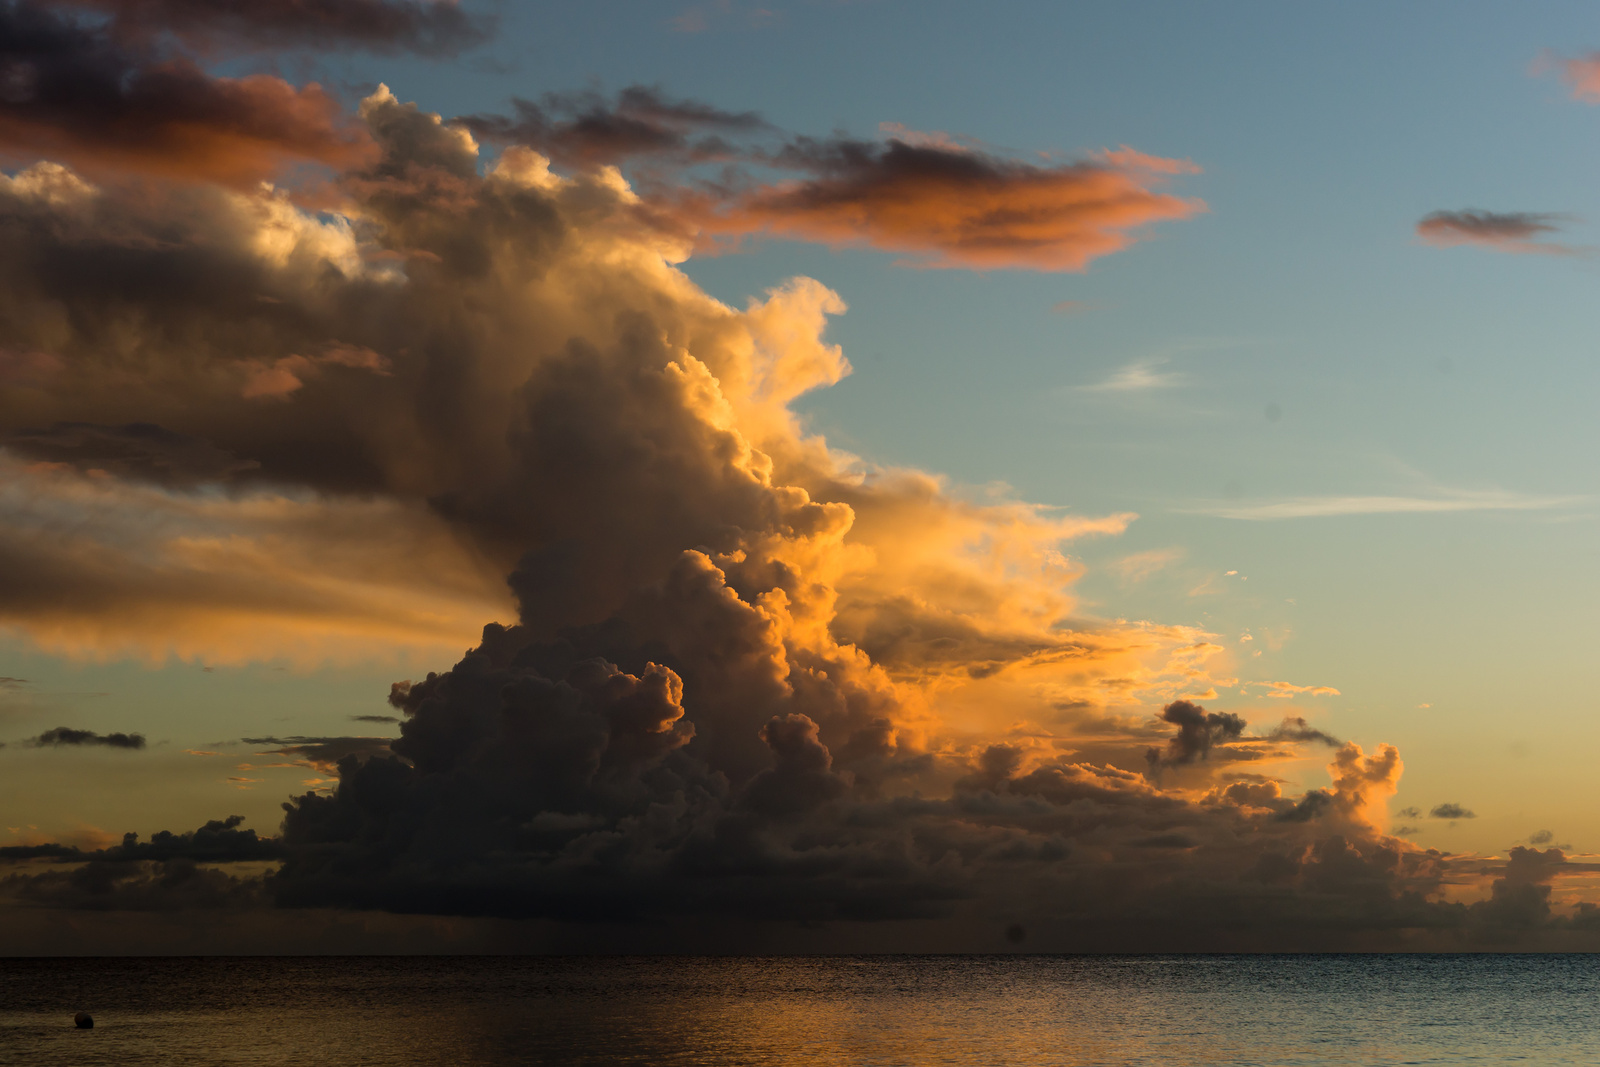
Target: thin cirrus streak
{"x": 1307, "y": 507}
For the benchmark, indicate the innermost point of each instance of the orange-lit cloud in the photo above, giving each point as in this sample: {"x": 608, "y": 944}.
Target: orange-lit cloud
{"x": 941, "y": 200}
{"x": 1581, "y": 74}
{"x": 1287, "y": 690}
{"x": 73, "y": 94}
{"x": 947, "y": 206}
{"x": 731, "y": 670}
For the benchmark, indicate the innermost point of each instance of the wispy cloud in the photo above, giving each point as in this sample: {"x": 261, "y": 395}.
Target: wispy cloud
{"x": 1519, "y": 232}
{"x": 1137, "y": 377}
{"x": 1310, "y": 507}
{"x": 1141, "y": 565}
{"x": 1581, "y": 74}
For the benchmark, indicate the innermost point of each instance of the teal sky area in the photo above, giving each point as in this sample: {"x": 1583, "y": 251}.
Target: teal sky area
{"x": 1359, "y": 460}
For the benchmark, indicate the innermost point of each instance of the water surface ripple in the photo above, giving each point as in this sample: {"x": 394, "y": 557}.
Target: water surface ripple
{"x": 901, "y": 1010}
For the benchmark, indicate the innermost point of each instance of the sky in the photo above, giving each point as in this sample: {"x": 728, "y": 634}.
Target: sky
{"x": 1034, "y": 477}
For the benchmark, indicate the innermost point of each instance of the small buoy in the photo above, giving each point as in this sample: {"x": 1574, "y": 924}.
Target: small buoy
{"x": 83, "y": 1021}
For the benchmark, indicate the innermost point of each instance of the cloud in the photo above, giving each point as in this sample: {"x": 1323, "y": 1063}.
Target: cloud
{"x": 1331, "y": 506}
{"x": 737, "y": 675}
{"x": 947, "y": 207}
{"x": 642, "y": 121}
{"x": 942, "y": 201}
{"x": 1295, "y": 728}
{"x": 428, "y": 27}
{"x": 1137, "y": 377}
{"x": 1451, "y": 811}
{"x": 67, "y": 736}
{"x": 75, "y": 94}
{"x": 163, "y": 874}
{"x": 698, "y": 18}
{"x": 1503, "y": 232}
{"x": 1288, "y": 690}
{"x": 1143, "y": 565}
{"x": 136, "y": 451}
{"x": 323, "y": 753}
{"x": 1581, "y": 73}
{"x": 1198, "y": 731}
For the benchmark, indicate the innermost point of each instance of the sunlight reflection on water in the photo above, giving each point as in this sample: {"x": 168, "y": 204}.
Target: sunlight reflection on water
{"x": 816, "y": 1010}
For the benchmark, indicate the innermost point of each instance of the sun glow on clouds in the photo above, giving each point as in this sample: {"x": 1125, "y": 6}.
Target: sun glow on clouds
{"x": 732, "y": 670}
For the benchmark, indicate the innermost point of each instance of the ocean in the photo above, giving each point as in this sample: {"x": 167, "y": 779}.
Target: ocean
{"x": 891, "y": 1010}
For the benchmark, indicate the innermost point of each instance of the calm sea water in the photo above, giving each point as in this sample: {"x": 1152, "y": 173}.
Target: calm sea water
{"x": 333, "y": 1012}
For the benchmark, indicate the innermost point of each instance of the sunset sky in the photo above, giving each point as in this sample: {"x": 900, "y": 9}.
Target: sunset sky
{"x": 1041, "y": 476}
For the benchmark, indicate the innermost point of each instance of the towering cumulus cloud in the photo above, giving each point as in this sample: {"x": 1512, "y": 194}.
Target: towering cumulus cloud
{"x": 735, "y": 675}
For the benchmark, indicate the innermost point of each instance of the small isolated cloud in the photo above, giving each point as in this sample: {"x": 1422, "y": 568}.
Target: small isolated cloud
{"x": 1137, "y": 377}
{"x": 1580, "y": 73}
{"x": 1295, "y": 728}
{"x": 1451, "y": 811}
{"x": 1541, "y": 837}
{"x": 1516, "y": 231}
{"x": 1287, "y": 690}
{"x": 1409, "y": 813}
{"x": 67, "y": 736}
{"x": 702, "y": 17}
{"x": 1311, "y": 507}
{"x": 374, "y": 718}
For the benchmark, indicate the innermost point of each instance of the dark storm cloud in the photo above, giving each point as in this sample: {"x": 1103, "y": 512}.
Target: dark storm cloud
{"x": 15, "y": 853}
{"x": 218, "y": 841}
{"x": 137, "y": 450}
{"x": 162, "y": 874}
{"x": 67, "y": 736}
{"x": 586, "y": 128}
{"x": 101, "y": 885}
{"x": 428, "y": 27}
{"x": 1451, "y": 811}
{"x": 69, "y": 90}
{"x": 1198, "y": 731}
